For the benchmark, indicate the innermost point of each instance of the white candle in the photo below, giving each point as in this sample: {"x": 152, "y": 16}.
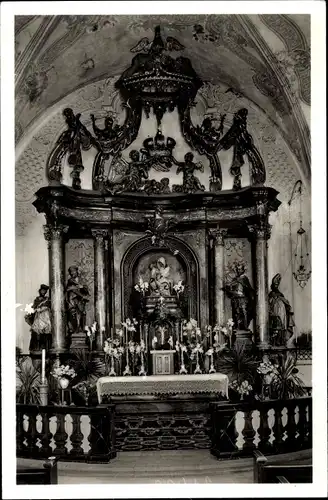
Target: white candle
{"x": 43, "y": 366}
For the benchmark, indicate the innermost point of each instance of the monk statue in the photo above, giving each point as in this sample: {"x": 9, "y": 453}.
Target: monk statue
{"x": 77, "y": 296}
{"x": 40, "y": 321}
{"x": 242, "y": 295}
{"x": 281, "y": 316}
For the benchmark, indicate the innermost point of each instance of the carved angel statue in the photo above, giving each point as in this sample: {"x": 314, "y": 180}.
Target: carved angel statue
{"x": 136, "y": 172}
{"x": 190, "y": 183}
{"x": 105, "y": 139}
{"x": 70, "y": 141}
{"x": 239, "y": 138}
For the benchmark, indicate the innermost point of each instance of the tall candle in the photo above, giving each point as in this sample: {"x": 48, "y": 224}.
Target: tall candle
{"x": 43, "y": 365}
{"x": 181, "y": 332}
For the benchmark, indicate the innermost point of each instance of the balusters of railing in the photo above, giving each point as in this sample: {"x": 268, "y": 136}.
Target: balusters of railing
{"x": 308, "y": 425}
{"x": 76, "y": 436}
{"x": 101, "y": 435}
{"x": 291, "y": 427}
{"x": 60, "y": 436}
{"x": 32, "y": 435}
{"x": 224, "y": 430}
{"x": 278, "y": 430}
{"x": 20, "y": 437}
{"x": 264, "y": 430}
{"x": 46, "y": 449}
{"x": 248, "y": 431}
{"x": 301, "y": 426}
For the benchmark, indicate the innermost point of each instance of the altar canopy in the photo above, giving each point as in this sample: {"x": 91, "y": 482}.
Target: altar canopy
{"x": 152, "y": 385}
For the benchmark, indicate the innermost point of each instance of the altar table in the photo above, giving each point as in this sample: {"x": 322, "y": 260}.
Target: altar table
{"x": 163, "y": 385}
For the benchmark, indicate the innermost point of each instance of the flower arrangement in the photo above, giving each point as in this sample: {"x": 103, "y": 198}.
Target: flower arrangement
{"x": 63, "y": 372}
{"x": 179, "y": 288}
{"x": 112, "y": 351}
{"x": 244, "y": 388}
{"x": 91, "y": 333}
{"x": 282, "y": 378}
{"x": 142, "y": 286}
{"x": 129, "y": 326}
{"x": 226, "y": 331}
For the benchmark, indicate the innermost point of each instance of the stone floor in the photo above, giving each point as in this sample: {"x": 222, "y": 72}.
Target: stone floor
{"x": 161, "y": 467}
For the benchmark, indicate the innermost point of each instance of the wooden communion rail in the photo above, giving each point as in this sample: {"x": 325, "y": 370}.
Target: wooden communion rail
{"x": 235, "y": 429}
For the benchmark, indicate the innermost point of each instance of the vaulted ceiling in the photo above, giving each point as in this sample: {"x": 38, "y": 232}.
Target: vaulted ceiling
{"x": 262, "y": 58}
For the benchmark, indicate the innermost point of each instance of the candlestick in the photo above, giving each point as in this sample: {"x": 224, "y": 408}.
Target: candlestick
{"x": 43, "y": 366}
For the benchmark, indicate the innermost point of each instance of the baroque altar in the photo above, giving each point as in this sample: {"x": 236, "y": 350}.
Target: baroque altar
{"x": 164, "y": 255}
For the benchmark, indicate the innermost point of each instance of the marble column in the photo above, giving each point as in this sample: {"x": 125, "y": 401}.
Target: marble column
{"x": 54, "y": 234}
{"x": 100, "y": 236}
{"x": 261, "y": 232}
{"x": 217, "y": 236}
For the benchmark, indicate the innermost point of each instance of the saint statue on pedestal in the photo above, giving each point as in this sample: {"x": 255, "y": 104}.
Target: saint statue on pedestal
{"x": 281, "y": 316}
{"x": 242, "y": 296}
{"x": 77, "y": 296}
{"x": 40, "y": 321}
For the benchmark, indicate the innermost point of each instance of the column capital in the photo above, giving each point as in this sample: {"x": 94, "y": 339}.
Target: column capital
{"x": 261, "y": 229}
{"x": 54, "y": 231}
{"x": 217, "y": 235}
{"x": 100, "y": 233}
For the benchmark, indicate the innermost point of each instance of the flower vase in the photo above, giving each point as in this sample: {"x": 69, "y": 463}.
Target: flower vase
{"x": 127, "y": 370}
{"x": 197, "y": 369}
{"x": 142, "y": 368}
{"x": 182, "y": 365}
{"x": 212, "y": 369}
{"x": 112, "y": 372}
{"x": 63, "y": 382}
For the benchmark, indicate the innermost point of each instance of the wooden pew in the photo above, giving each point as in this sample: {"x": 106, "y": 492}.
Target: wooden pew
{"x": 32, "y": 475}
{"x": 266, "y": 472}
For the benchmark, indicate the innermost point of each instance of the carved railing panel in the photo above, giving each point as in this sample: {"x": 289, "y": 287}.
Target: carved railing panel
{"x": 88, "y": 439}
{"x": 289, "y": 437}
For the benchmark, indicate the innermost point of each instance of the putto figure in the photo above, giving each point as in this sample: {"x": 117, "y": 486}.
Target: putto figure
{"x": 40, "y": 321}
{"x": 77, "y": 296}
{"x": 242, "y": 296}
{"x": 190, "y": 183}
{"x": 281, "y": 316}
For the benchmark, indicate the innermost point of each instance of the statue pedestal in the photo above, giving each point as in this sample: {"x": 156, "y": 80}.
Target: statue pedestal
{"x": 78, "y": 341}
{"x": 163, "y": 362}
{"x": 244, "y": 338}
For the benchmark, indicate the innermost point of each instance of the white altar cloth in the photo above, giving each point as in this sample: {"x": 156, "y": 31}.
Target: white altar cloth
{"x": 163, "y": 384}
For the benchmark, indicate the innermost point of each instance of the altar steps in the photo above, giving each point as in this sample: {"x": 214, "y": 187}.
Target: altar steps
{"x": 164, "y": 467}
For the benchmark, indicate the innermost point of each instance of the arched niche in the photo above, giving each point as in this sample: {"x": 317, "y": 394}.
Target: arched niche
{"x": 173, "y": 248}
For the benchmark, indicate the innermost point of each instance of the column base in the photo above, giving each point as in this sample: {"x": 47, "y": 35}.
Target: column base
{"x": 244, "y": 338}
{"x": 78, "y": 341}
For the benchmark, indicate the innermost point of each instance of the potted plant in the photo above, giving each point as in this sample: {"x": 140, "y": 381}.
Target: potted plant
{"x": 285, "y": 381}
{"x": 88, "y": 369}
{"x": 28, "y": 383}
{"x": 239, "y": 365}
